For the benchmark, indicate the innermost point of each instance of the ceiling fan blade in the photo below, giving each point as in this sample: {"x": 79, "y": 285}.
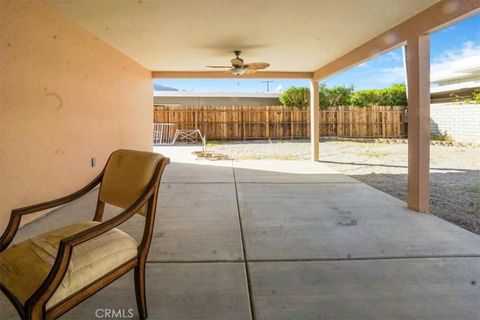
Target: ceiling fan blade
{"x": 220, "y": 67}
{"x": 257, "y": 65}
{"x": 250, "y": 71}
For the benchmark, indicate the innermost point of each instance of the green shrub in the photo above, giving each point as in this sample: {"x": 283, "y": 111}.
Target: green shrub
{"x": 474, "y": 98}
{"x": 441, "y": 137}
{"x": 394, "y": 96}
{"x": 298, "y": 98}
{"x": 335, "y": 96}
{"x": 397, "y": 95}
{"x": 364, "y": 98}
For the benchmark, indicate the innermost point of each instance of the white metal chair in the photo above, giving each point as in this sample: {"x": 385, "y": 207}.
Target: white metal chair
{"x": 168, "y": 134}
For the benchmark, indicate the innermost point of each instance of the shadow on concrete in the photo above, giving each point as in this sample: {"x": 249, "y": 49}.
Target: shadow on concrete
{"x": 454, "y": 195}
{"x": 391, "y": 165}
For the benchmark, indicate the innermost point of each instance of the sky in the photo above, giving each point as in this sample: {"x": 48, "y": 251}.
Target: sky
{"x": 457, "y": 41}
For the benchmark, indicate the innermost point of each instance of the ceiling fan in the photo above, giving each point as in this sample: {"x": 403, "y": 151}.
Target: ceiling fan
{"x": 239, "y": 68}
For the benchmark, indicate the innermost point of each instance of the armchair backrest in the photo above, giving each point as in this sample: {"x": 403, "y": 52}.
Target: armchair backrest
{"x": 126, "y": 176}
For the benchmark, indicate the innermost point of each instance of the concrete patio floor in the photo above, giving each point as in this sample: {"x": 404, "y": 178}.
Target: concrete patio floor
{"x": 286, "y": 240}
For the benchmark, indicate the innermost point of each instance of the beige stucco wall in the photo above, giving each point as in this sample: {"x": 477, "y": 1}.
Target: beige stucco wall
{"x": 65, "y": 97}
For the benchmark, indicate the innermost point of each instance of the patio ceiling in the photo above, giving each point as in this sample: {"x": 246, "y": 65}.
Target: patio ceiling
{"x": 292, "y": 35}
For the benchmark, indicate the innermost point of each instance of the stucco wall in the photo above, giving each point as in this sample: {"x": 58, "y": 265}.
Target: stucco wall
{"x": 65, "y": 97}
{"x": 461, "y": 122}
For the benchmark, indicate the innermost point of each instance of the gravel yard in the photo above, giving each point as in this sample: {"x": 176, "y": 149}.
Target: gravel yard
{"x": 454, "y": 175}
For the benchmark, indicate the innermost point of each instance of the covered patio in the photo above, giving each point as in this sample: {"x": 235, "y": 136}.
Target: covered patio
{"x": 233, "y": 239}
{"x": 286, "y": 240}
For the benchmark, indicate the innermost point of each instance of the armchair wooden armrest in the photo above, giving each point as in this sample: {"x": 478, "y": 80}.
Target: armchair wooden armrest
{"x": 17, "y": 214}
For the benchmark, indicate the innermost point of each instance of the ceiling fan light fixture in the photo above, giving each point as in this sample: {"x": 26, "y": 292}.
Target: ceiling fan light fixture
{"x": 238, "y": 71}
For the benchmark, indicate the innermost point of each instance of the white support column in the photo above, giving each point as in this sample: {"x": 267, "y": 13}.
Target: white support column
{"x": 418, "y": 77}
{"x": 314, "y": 120}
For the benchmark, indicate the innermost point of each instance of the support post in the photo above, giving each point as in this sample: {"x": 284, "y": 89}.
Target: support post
{"x": 314, "y": 120}
{"x": 418, "y": 78}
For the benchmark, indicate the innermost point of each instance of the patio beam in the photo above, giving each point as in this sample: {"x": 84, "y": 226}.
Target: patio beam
{"x": 431, "y": 19}
{"x": 314, "y": 120}
{"x": 225, "y": 75}
{"x": 418, "y": 78}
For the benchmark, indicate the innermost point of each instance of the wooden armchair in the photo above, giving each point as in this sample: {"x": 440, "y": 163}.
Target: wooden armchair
{"x": 47, "y": 275}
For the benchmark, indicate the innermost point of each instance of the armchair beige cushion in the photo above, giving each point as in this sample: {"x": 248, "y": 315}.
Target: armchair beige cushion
{"x": 24, "y": 266}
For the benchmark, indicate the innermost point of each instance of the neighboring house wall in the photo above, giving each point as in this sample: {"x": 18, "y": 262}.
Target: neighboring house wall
{"x": 451, "y": 96}
{"x": 216, "y": 101}
{"x": 65, "y": 97}
{"x": 461, "y": 122}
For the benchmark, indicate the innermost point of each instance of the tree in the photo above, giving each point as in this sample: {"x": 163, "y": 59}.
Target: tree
{"x": 346, "y": 96}
{"x": 335, "y": 96}
{"x": 394, "y": 96}
{"x": 298, "y": 98}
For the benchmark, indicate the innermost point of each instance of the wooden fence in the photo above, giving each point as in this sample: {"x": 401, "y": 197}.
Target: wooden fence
{"x": 278, "y": 122}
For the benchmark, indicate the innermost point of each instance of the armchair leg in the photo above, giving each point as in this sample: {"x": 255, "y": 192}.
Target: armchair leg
{"x": 140, "y": 290}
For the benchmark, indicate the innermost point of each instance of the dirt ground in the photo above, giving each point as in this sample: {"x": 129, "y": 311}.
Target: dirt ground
{"x": 454, "y": 174}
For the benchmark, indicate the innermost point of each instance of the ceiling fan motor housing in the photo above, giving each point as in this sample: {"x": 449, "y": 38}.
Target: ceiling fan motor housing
{"x": 237, "y": 62}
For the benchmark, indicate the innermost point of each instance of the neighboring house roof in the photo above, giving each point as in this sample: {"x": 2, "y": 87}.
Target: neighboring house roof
{"x": 467, "y": 69}
{"x": 216, "y": 94}
{"x": 460, "y": 79}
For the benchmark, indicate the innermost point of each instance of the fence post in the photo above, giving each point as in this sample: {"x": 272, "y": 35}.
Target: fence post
{"x": 337, "y": 120}
{"x": 383, "y": 123}
{"x": 225, "y": 129}
{"x": 350, "y": 111}
{"x": 195, "y": 115}
{"x": 308, "y": 124}
{"x": 235, "y": 120}
{"x": 292, "y": 131}
{"x": 267, "y": 129}
{"x": 243, "y": 122}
